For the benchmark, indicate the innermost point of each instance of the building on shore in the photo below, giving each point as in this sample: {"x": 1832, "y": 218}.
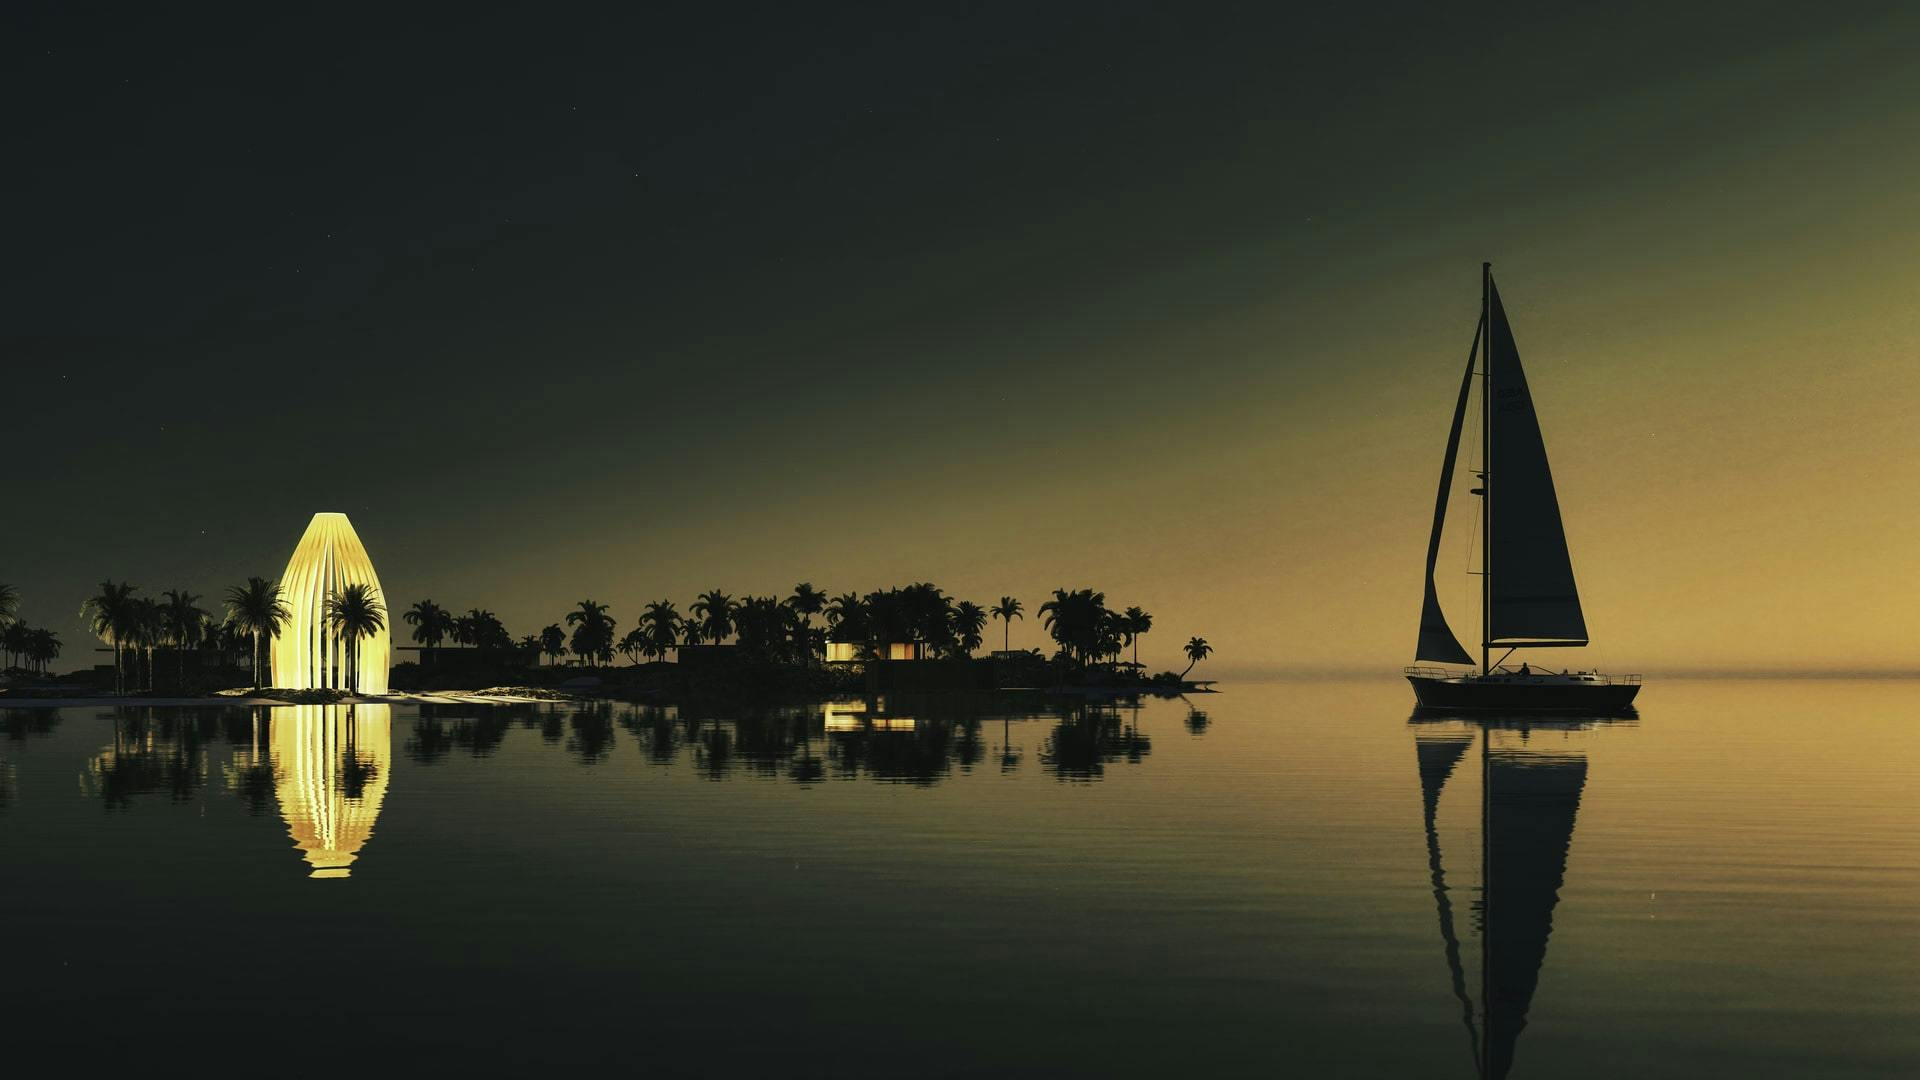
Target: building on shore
{"x": 841, "y": 652}
{"x": 308, "y": 655}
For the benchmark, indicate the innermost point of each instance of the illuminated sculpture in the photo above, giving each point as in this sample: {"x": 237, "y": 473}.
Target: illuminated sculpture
{"x": 308, "y": 655}
{"x": 331, "y": 764}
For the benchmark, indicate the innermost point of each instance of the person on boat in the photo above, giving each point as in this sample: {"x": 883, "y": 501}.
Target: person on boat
{"x": 1524, "y": 669}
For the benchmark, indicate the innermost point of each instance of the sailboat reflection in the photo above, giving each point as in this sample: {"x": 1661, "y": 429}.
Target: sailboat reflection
{"x": 331, "y": 766}
{"x": 1529, "y": 798}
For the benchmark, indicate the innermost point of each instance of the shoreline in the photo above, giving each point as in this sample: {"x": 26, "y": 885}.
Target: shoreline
{"x": 518, "y": 695}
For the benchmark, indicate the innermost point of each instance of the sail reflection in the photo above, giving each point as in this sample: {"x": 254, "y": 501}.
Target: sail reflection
{"x": 332, "y": 763}
{"x": 1529, "y": 799}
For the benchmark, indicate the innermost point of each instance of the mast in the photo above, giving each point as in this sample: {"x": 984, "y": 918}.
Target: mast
{"x": 1486, "y": 470}
{"x": 1486, "y": 900}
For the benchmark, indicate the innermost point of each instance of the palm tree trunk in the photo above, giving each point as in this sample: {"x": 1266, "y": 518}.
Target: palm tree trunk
{"x": 1190, "y": 664}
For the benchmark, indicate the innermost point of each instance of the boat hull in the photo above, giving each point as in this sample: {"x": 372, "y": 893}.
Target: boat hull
{"x": 1522, "y": 694}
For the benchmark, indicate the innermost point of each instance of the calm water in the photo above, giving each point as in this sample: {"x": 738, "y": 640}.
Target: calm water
{"x": 1276, "y": 879}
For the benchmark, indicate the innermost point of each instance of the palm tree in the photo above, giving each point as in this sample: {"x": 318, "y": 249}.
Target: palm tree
{"x": 1078, "y": 621}
{"x": 553, "y": 642}
{"x": 806, "y": 602}
{"x": 9, "y": 604}
{"x": 185, "y": 624}
{"x": 969, "y": 621}
{"x": 431, "y": 623}
{"x": 354, "y": 613}
{"x": 1007, "y": 610}
{"x": 635, "y": 643}
{"x": 255, "y": 609}
{"x": 715, "y": 610}
{"x": 43, "y": 647}
{"x": 1197, "y": 650}
{"x": 593, "y": 630}
{"x": 16, "y": 638}
{"x": 110, "y": 616}
{"x": 663, "y": 625}
{"x": 1138, "y": 622}
{"x": 148, "y": 629}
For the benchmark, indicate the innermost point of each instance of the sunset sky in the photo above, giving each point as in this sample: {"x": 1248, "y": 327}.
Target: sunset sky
{"x": 1164, "y": 301}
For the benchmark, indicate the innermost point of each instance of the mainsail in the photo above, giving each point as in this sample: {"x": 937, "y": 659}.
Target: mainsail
{"x": 1531, "y": 596}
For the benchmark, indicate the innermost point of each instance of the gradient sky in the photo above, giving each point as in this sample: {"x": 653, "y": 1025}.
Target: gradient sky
{"x": 1165, "y": 301}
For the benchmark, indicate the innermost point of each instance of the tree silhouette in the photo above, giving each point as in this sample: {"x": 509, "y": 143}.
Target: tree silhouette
{"x": 806, "y": 602}
{"x": 185, "y": 624}
{"x": 43, "y": 647}
{"x": 553, "y": 642}
{"x": 1197, "y": 650}
{"x": 593, "y": 631}
{"x": 110, "y": 615}
{"x": 969, "y": 622}
{"x": 255, "y": 609}
{"x": 715, "y": 610}
{"x": 1078, "y": 621}
{"x": 431, "y": 623}
{"x": 662, "y": 625}
{"x": 354, "y": 613}
{"x": 1138, "y": 622}
{"x": 1007, "y": 610}
{"x": 634, "y": 644}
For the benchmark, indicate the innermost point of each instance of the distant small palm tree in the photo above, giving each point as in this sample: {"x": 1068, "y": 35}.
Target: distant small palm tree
{"x": 148, "y": 630}
{"x": 1137, "y": 623}
{"x": 354, "y": 613}
{"x": 431, "y": 623}
{"x": 553, "y": 642}
{"x": 969, "y": 621}
{"x": 110, "y": 615}
{"x": 1197, "y": 650}
{"x": 634, "y": 644}
{"x": 593, "y": 631}
{"x": 1007, "y": 610}
{"x": 43, "y": 647}
{"x": 806, "y": 602}
{"x": 185, "y": 624}
{"x": 15, "y": 637}
{"x": 255, "y": 609}
{"x": 663, "y": 626}
{"x": 715, "y": 610}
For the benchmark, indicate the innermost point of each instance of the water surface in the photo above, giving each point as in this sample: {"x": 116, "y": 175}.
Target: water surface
{"x": 1281, "y": 878}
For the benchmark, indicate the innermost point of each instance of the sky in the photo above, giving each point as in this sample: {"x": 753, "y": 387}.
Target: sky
{"x": 1166, "y": 300}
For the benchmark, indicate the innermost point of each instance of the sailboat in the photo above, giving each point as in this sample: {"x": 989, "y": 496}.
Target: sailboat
{"x": 1527, "y": 594}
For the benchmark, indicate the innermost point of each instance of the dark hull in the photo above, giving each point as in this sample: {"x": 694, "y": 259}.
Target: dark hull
{"x": 1516, "y": 696}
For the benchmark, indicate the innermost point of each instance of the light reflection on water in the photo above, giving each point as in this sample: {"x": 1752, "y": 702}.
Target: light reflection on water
{"x": 1276, "y": 878}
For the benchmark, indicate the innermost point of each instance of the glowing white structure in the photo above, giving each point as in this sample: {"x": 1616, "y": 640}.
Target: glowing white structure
{"x": 308, "y": 655}
{"x": 332, "y": 763}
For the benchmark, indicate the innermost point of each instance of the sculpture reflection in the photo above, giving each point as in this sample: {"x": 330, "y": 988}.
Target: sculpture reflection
{"x": 331, "y": 764}
{"x": 1529, "y": 799}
